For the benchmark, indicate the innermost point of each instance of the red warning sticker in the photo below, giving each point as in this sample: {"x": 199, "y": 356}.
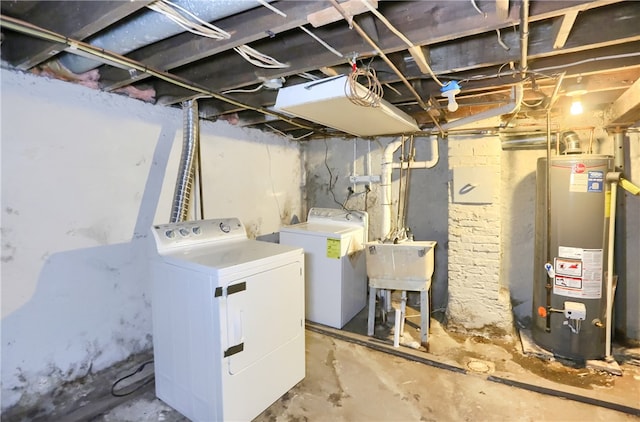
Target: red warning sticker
{"x": 578, "y": 168}
{"x": 568, "y": 267}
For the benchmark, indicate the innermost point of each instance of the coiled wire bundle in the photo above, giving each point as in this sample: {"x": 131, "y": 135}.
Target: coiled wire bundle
{"x": 372, "y": 95}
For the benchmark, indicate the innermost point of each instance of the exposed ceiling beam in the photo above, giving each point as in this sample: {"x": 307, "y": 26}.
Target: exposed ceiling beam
{"x": 229, "y": 71}
{"x": 625, "y": 111}
{"x": 78, "y": 22}
{"x": 561, "y": 27}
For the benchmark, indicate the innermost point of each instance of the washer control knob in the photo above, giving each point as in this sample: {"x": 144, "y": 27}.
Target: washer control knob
{"x": 170, "y": 234}
{"x": 225, "y": 228}
{"x": 184, "y": 232}
{"x": 196, "y": 230}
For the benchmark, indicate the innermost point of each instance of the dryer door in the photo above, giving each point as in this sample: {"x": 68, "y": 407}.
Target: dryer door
{"x": 266, "y": 314}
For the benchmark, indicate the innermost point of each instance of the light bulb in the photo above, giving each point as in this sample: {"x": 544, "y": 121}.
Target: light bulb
{"x": 451, "y": 96}
{"x": 576, "y": 106}
{"x": 449, "y": 91}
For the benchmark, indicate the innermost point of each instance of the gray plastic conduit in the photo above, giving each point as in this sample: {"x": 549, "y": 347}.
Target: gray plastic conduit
{"x": 184, "y": 183}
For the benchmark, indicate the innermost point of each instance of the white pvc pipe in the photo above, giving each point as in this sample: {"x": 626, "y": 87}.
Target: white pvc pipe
{"x": 385, "y": 183}
{"x": 385, "y": 186}
{"x": 512, "y": 107}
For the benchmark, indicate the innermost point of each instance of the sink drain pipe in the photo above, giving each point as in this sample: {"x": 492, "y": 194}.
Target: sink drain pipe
{"x": 384, "y": 347}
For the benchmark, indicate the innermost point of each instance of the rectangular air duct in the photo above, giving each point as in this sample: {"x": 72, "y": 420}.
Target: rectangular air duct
{"x": 325, "y": 102}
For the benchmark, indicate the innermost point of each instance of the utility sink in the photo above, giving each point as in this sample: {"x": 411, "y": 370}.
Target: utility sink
{"x": 402, "y": 266}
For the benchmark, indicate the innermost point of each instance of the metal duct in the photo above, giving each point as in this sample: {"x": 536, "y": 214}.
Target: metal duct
{"x": 149, "y": 27}
{"x": 184, "y": 183}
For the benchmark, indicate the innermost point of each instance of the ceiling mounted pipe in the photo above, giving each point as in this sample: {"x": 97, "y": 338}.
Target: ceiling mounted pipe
{"x": 524, "y": 37}
{"x": 184, "y": 183}
{"x": 148, "y": 27}
{"x": 512, "y": 107}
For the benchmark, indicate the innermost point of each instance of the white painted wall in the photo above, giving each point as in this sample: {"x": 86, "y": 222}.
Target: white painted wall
{"x": 84, "y": 175}
{"x": 478, "y": 295}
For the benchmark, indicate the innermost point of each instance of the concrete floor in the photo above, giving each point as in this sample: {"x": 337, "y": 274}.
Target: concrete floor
{"x": 352, "y": 377}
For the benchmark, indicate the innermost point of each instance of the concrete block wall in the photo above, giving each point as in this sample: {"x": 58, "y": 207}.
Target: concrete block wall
{"x": 478, "y": 300}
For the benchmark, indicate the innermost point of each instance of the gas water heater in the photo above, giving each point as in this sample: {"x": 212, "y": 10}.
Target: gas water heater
{"x": 569, "y": 297}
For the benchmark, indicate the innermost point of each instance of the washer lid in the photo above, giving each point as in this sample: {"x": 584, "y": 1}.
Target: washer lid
{"x": 230, "y": 254}
{"x": 325, "y": 230}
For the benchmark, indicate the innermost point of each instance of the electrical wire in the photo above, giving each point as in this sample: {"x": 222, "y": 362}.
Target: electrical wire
{"x": 188, "y": 20}
{"x": 279, "y": 132}
{"x": 256, "y": 89}
{"x": 502, "y": 44}
{"x": 272, "y": 8}
{"x": 138, "y": 387}
{"x": 323, "y": 43}
{"x": 195, "y": 25}
{"x": 373, "y": 91}
{"x": 259, "y": 59}
{"x": 331, "y": 181}
{"x": 475, "y": 6}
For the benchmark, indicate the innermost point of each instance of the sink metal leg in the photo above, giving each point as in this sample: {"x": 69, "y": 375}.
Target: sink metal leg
{"x": 424, "y": 317}
{"x": 403, "y": 311}
{"x": 372, "y": 311}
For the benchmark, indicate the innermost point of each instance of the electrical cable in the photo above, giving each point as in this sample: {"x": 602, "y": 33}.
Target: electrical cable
{"x": 256, "y": 89}
{"x": 475, "y": 6}
{"x": 138, "y": 387}
{"x": 195, "y": 25}
{"x": 272, "y": 8}
{"x": 188, "y": 20}
{"x": 326, "y": 164}
{"x": 502, "y": 44}
{"x": 322, "y": 42}
{"x": 373, "y": 88}
{"x": 279, "y": 132}
{"x": 259, "y": 59}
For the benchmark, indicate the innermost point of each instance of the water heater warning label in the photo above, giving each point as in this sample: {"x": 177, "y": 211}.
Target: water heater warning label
{"x": 578, "y": 273}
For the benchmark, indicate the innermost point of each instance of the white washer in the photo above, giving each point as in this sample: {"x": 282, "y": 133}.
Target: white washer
{"x": 228, "y": 320}
{"x": 336, "y": 275}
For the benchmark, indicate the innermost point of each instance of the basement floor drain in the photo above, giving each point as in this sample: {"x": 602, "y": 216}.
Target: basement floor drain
{"x": 479, "y": 366}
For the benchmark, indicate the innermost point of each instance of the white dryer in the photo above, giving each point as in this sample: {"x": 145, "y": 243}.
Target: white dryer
{"x": 228, "y": 320}
{"x": 336, "y": 276}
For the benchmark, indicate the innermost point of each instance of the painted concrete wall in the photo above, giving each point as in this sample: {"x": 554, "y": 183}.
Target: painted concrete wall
{"x": 427, "y": 207}
{"x": 84, "y": 175}
{"x": 478, "y": 295}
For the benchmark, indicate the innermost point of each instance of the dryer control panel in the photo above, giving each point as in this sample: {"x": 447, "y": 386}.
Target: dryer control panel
{"x": 331, "y": 215}
{"x": 189, "y": 234}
